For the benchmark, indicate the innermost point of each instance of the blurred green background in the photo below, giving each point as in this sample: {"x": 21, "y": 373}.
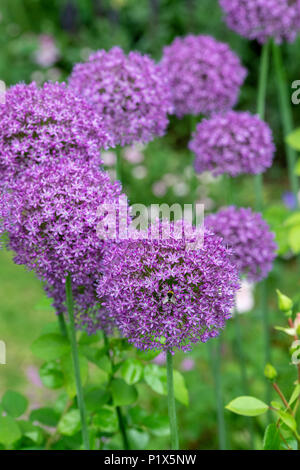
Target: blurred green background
{"x": 41, "y": 40}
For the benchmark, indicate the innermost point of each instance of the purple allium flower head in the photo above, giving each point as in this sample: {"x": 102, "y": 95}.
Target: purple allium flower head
{"x": 128, "y": 91}
{"x": 164, "y": 295}
{"x": 53, "y": 218}
{"x": 205, "y": 75}
{"x": 233, "y": 143}
{"x": 249, "y": 237}
{"x": 42, "y": 124}
{"x": 262, "y": 19}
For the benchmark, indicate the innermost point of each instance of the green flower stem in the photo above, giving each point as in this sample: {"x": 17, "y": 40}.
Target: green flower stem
{"x": 171, "y": 403}
{"x": 121, "y": 419}
{"x": 286, "y": 116}
{"x": 258, "y": 186}
{"x": 62, "y": 324}
{"x": 215, "y": 352}
{"x": 79, "y": 390}
{"x": 119, "y": 164}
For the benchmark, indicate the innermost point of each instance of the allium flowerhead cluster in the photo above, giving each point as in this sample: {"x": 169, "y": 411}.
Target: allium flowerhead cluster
{"x": 263, "y": 19}
{"x": 163, "y": 295}
{"x": 128, "y": 91}
{"x": 39, "y": 125}
{"x": 90, "y": 316}
{"x": 205, "y": 75}
{"x": 53, "y": 217}
{"x": 233, "y": 143}
{"x": 249, "y": 237}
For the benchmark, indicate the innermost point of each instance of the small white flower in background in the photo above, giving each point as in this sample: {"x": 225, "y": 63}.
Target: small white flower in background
{"x": 139, "y": 172}
{"x": 47, "y": 53}
{"x": 208, "y": 178}
{"x": 38, "y": 77}
{"x": 181, "y": 189}
{"x": 109, "y": 158}
{"x": 159, "y": 188}
{"x": 2, "y": 92}
{"x": 53, "y": 74}
{"x": 170, "y": 179}
{"x": 244, "y": 301}
{"x": 133, "y": 154}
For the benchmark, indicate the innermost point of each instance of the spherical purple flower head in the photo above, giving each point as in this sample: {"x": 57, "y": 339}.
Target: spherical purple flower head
{"x": 128, "y": 91}
{"x": 165, "y": 294}
{"x": 249, "y": 237}
{"x": 42, "y": 124}
{"x": 205, "y": 75}
{"x": 233, "y": 143}
{"x": 54, "y": 212}
{"x": 263, "y": 19}
{"x": 90, "y": 316}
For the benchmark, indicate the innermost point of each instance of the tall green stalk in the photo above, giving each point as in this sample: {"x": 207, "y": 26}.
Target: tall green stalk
{"x": 262, "y": 288}
{"x": 171, "y": 403}
{"x": 75, "y": 357}
{"x": 121, "y": 419}
{"x": 62, "y": 324}
{"x": 286, "y": 116}
{"x": 216, "y": 354}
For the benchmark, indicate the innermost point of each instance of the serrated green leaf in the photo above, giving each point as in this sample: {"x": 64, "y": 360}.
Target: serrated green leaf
{"x": 156, "y": 378}
{"x": 158, "y": 425}
{"x": 14, "y": 403}
{"x": 247, "y": 406}
{"x": 51, "y": 346}
{"x": 51, "y": 375}
{"x": 295, "y": 394}
{"x": 32, "y": 432}
{"x": 180, "y": 390}
{"x": 138, "y": 439}
{"x": 106, "y": 420}
{"x": 46, "y": 416}
{"x": 68, "y": 373}
{"x": 95, "y": 399}
{"x": 287, "y": 419}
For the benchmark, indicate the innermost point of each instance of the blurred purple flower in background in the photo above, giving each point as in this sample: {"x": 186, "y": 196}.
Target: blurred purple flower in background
{"x": 263, "y": 19}
{"x": 47, "y": 53}
{"x": 289, "y": 199}
{"x": 204, "y": 75}
{"x": 187, "y": 364}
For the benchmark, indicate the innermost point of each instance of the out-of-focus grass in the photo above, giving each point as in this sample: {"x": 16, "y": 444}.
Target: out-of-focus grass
{"x": 20, "y": 319}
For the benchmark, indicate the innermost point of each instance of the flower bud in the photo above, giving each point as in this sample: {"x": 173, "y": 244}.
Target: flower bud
{"x": 285, "y": 304}
{"x": 270, "y": 372}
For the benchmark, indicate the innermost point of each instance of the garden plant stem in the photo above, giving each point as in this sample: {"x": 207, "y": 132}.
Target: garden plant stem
{"x": 121, "y": 419}
{"x": 263, "y": 293}
{"x": 215, "y": 351}
{"x": 75, "y": 357}
{"x": 62, "y": 324}
{"x": 171, "y": 403}
{"x": 286, "y": 116}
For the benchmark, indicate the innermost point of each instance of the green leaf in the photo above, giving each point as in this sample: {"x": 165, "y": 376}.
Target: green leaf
{"x": 293, "y": 139}
{"x": 294, "y": 239}
{"x": 69, "y": 376}
{"x": 247, "y": 406}
{"x": 180, "y": 390}
{"x": 46, "y": 416}
{"x": 9, "y": 431}
{"x": 69, "y": 423}
{"x": 131, "y": 371}
{"x": 51, "y": 346}
{"x": 32, "y": 432}
{"x": 95, "y": 399}
{"x": 51, "y": 375}
{"x": 122, "y": 393}
{"x": 156, "y": 378}
{"x": 272, "y": 439}
{"x": 147, "y": 355}
{"x": 287, "y": 419}
{"x": 106, "y": 420}
{"x": 94, "y": 355}
{"x": 158, "y": 425}
{"x": 138, "y": 439}
{"x": 14, "y": 403}
{"x": 295, "y": 394}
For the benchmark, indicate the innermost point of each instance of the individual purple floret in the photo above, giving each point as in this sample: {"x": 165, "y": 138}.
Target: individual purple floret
{"x": 39, "y": 125}
{"x": 249, "y": 237}
{"x": 128, "y": 91}
{"x": 233, "y": 143}
{"x": 205, "y": 75}
{"x": 263, "y": 19}
{"x": 51, "y": 217}
{"x": 164, "y": 294}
